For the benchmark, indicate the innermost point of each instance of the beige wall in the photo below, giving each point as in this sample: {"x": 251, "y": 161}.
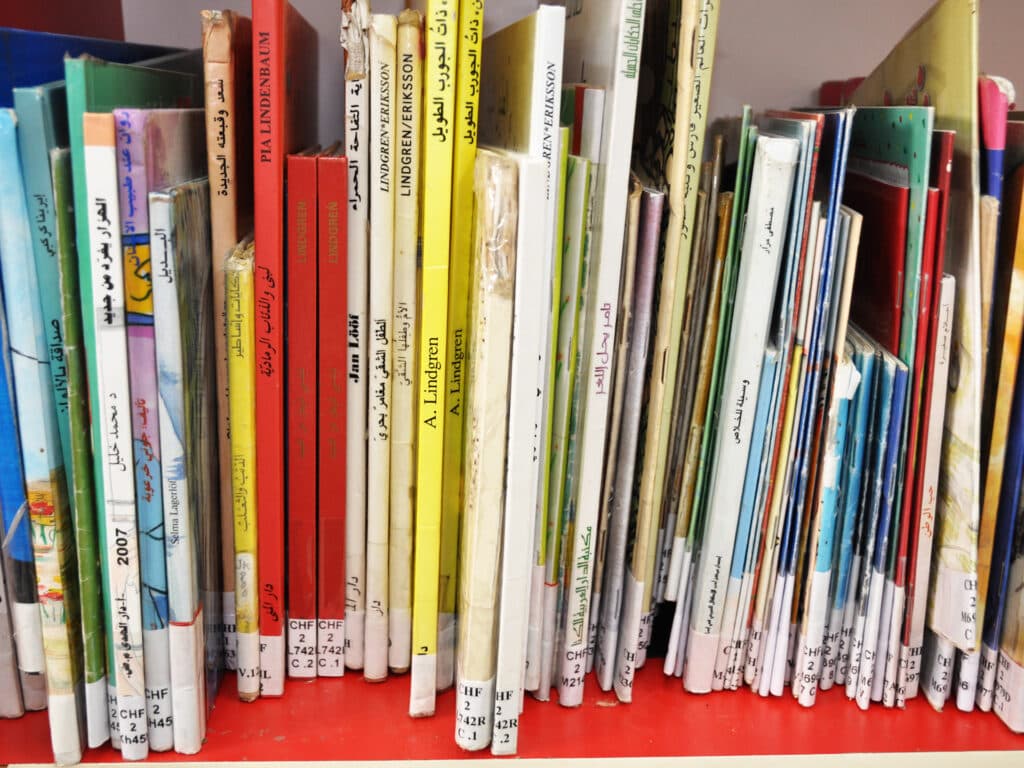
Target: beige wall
{"x": 771, "y": 53}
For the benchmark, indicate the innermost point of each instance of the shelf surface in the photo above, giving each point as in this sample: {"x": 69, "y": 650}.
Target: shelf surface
{"x": 349, "y": 719}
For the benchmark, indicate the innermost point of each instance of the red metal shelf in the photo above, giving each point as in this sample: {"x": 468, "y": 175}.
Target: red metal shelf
{"x": 349, "y": 719}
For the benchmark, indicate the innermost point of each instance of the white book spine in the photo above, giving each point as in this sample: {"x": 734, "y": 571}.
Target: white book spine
{"x": 230, "y": 629}
{"x": 118, "y": 502}
{"x": 383, "y": 32}
{"x": 180, "y": 544}
{"x": 771, "y": 190}
{"x": 521, "y": 468}
{"x": 987, "y": 678}
{"x": 590, "y": 33}
{"x": 882, "y": 640}
{"x": 357, "y": 150}
{"x": 1009, "y": 696}
{"x": 929, "y": 496}
{"x": 409, "y": 68}
{"x": 892, "y": 651}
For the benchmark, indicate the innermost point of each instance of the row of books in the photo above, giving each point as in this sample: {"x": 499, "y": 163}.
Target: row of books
{"x": 497, "y": 415}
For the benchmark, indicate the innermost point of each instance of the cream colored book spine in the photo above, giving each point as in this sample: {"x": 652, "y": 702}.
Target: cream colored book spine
{"x": 491, "y": 288}
{"x": 383, "y": 34}
{"x": 355, "y": 19}
{"x": 409, "y": 66}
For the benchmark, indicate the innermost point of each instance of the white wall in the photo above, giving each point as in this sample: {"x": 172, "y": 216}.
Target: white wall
{"x": 771, "y": 53}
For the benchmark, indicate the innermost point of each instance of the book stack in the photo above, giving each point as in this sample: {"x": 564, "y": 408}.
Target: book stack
{"x": 514, "y": 384}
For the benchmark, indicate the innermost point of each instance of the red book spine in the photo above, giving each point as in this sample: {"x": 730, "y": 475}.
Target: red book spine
{"x": 301, "y": 440}
{"x": 332, "y": 358}
{"x": 911, "y": 514}
{"x": 269, "y": 114}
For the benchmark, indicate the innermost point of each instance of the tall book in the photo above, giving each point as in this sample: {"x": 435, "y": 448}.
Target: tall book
{"x": 94, "y": 85}
{"x": 383, "y": 34}
{"x": 355, "y": 21}
{"x": 284, "y": 86}
{"x": 488, "y": 346}
{"x": 518, "y": 111}
{"x": 467, "y": 101}
{"x": 946, "y": 38}
{"x": 405, "y": 318}
{"x": 227, "y": 72}
{"x": 102, "y": 261}
{"x": 602, "y": 46}
{"x": 46, "y": 498}
{"x": 438, "y": 150}
{"x": 183, "y": 316}
{"x": 301, "y": 334}
{"x": 240, "y": 308}
{"x": 332, "y": 178}
{"x": 521, "y": 466}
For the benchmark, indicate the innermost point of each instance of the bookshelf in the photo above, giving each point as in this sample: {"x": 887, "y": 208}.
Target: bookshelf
{"x": 351, "y": 720}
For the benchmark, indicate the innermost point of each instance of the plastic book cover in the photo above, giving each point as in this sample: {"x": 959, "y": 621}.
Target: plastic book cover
{"x": 285, "y": 81}
{"x": 46, "y": 499}
{"x": 301, "y": 454}
{"x": 355, "y": 22}
{"x": 227, "y": 74}
{"x": 155, "y": 148}
{"x": 946, "y": 40}
{"x": 43, "y": 128}
{"x": 489, "y": 343}
{"x": 1010, "y": 672}
{"x": 468, "y": 73}
{"x": 438, "y": 149}
{"x": 240, "y": 302}
{"x": 405, "y": 320}
{"x": 332, "y": 393}
{"x": 29, "y": 58}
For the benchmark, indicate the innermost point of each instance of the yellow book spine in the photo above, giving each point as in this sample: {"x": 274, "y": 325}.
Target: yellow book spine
{"x": 238, "y": 274}
{"x": 467, "y": 103}
{"x": 438, "y": 146}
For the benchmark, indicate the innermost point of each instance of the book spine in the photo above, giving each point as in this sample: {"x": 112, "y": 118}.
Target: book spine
{"x": 131, "y": 166}
{"x": 240, "y": 304}
{"x": 469, "y": 39}
{"x": 405, "y": 318}
{"x": 185, "y": 676}
{"x": 545, "y": 141}
{"x": 774, "y": 166}
{"x": 82, "y": 499}
{"x": 332, "y": 358}
{"x": 616, "y": 662}
{"x": 270, "y": 59}
{"x": 488, "y": 343}
{"x": 227, "y": 65}
{"x": 46, "y": 502}
{"x": 302, "y": 335}
{"x": 383, "y": 33}
{"x": 103, "y": 261}
{"x": 357, "y": 149}
{"x": 16, "y": 554}
{"x": 613, "y": 175}
{"x": 438, "y": 148}
{"x": 521, "y": 469}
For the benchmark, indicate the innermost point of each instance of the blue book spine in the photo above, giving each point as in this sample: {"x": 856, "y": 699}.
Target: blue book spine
{"x": 831, "y": 478}
{"x": 899, "y": 398}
